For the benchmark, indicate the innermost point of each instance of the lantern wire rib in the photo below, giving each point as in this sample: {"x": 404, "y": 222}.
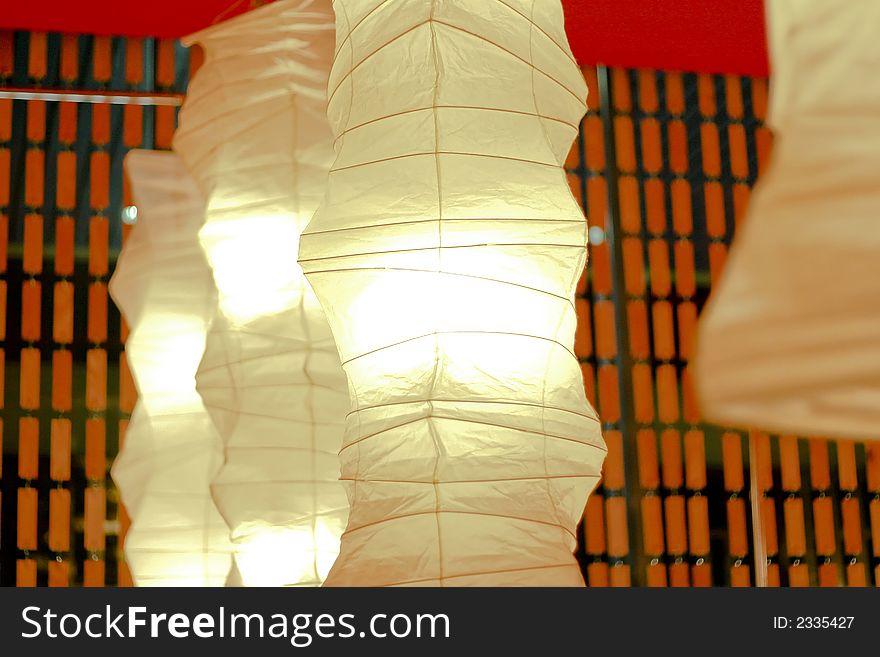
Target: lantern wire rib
{"x": 432, "y": 21}
{"x": 461, "y": 107}
{"x": 254, "y": 132}
{"x": 458, "y": 345}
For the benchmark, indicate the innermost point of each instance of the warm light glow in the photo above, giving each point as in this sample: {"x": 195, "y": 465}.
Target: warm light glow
{"x": 446, "y": 255}
{"x": 256, "y": 276}
{"x": 171, "y": 450}
{"x": 254, "y": 133}
{"x": 268, "y": 554}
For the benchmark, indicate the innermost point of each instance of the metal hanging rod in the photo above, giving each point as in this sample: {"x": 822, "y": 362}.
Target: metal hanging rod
{"x": 93, "y": 96}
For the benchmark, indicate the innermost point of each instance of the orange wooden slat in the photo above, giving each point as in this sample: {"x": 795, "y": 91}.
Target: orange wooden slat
{"x": 828, "y": 575}
{"x": 613, "y": 468}
{"x": 31, "y": 307}
{"x": 624, "y": 143}
{"x": 96, "y": 380}
{"x": 594, "y": 145}
{"x": 667, "y": 393}
{"x": 62, "y": 312}
{"x": 59, "y": 451}
{"x": 29, "y": 387}
{"x": 658, "y": 259}
{"x": 649, "y": 465}
{"x": 664, "y": 330}
{"x": 676, "y": 133}
{"x": 823, "y": 526}
{"x": 731, "y": 449}
{"x": 594, "y": 525}
{"x": 675, "y": 103}
{"x": 695, "y": 459}
{"x": 649, "y": 99}
{"x": 616, "y": 533}
{"x": 27, "y": 519}
{"x": 64, "y": 246}
{"x": 102, "y": 59}
{"x": 620, "y": 90}
{"x": 58, "y": 574}
{"x": 100, "y": 124}
{"x": 851, "y": 516}
{"x": 847, "y": 470}
{"x": 629, "y": 199}
{"x": 820, "y": 472}
{"x": 739, "y": 157}
{"x": 737, "y": 532}
{"x": 652, "y": 525}
{"x": 655, "y": 575}
{"x": 69, "y": 67}
{"x": 798, "y": 576}
{"x": 713, "y": 194}
{"x": 706, "y": 95}
{"x": 639, "y": 336}
{"x": 583, "y": 337}
{"x": 789, "y": 463}
{"x": 165, "y": 125}
{"x": 35, "y": 173}
{"x": 606, "y": 339}
{"x": 597, "y": 575}
{"x": 67, "y": 120}
{"x": 99, "y": 245}
{"x": 96, "y": 457}
{"x": 59, "y": 519}
{"x": 32, "y": 257}
{"x": 25, "y": 572}
{"x": 655, "y": 205}
{"x": 95, "y": 510}
{"x": 93, "y": 573}
{"x": 698, "y": 524}
{"x": 685, "y": 276}
{"x": 670, "y": 449}
{"x": 97, "y": 313}
{"x": 134, "y": 60}
{"x": 733, "y": 96}
{"x": 28, "y": 448}
{"x": 100, "y": 180}
{"x": 609, "y": 401}
{"x": 65, "y": 195}
{"x": 36, "y": 120}
{"x": 710, "y": 147}
{"x": 676, "y": 524}
{"x": 643, "y": 393}
{"x": 633, "y": 266}
{"x": 795, "y": 533}
{"x": 62, "y": 380}
{"x": 652, "y": 147}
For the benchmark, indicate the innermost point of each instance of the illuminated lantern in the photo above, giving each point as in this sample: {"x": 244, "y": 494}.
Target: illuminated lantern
{"x": 446, "y": 255}
{"x": 254, "y": 133}
{"x": 163, "y": 287}
{"x": 790, "y": 339}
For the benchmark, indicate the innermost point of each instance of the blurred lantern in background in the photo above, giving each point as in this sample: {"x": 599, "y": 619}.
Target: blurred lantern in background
{"x": 790, "y": 339}
{"x": 163, "y": 287}
{"x": 254, "y": 133}
{"x": 446, "y": 256}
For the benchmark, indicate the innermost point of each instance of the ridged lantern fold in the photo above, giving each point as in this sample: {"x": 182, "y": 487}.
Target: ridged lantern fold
{"x": 164, "y": 289}
{"x": 446, "y": 256}
{"x": 790, "y": 339}
{"x": 254, "y": 133}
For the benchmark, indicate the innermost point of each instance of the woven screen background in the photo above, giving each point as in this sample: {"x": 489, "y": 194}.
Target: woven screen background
{"x": 664, "y": 168}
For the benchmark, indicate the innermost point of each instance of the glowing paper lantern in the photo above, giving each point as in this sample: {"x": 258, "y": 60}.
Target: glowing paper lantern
{"x": 790, "y": 340}
{"x": 163, "y": 286}
{"x": 254, "y": 132}
{"x": 446, "y": 255}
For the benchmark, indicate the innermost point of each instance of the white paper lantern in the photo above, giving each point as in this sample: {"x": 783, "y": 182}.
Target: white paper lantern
{"x": 164, "y": 289}
{"x": 254, "y": 132}
{"x": 446, "y": 256}
{"x": 790, "y": 339}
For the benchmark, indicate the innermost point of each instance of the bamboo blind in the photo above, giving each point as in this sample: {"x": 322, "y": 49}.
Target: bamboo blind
{"x": 664, "y": 166}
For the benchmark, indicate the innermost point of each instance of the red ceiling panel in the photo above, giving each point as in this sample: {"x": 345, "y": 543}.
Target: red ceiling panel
{"x": 718, "y": 36}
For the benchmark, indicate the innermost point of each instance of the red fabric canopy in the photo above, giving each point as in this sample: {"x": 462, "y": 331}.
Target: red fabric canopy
{"x": 717, "y": 36}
